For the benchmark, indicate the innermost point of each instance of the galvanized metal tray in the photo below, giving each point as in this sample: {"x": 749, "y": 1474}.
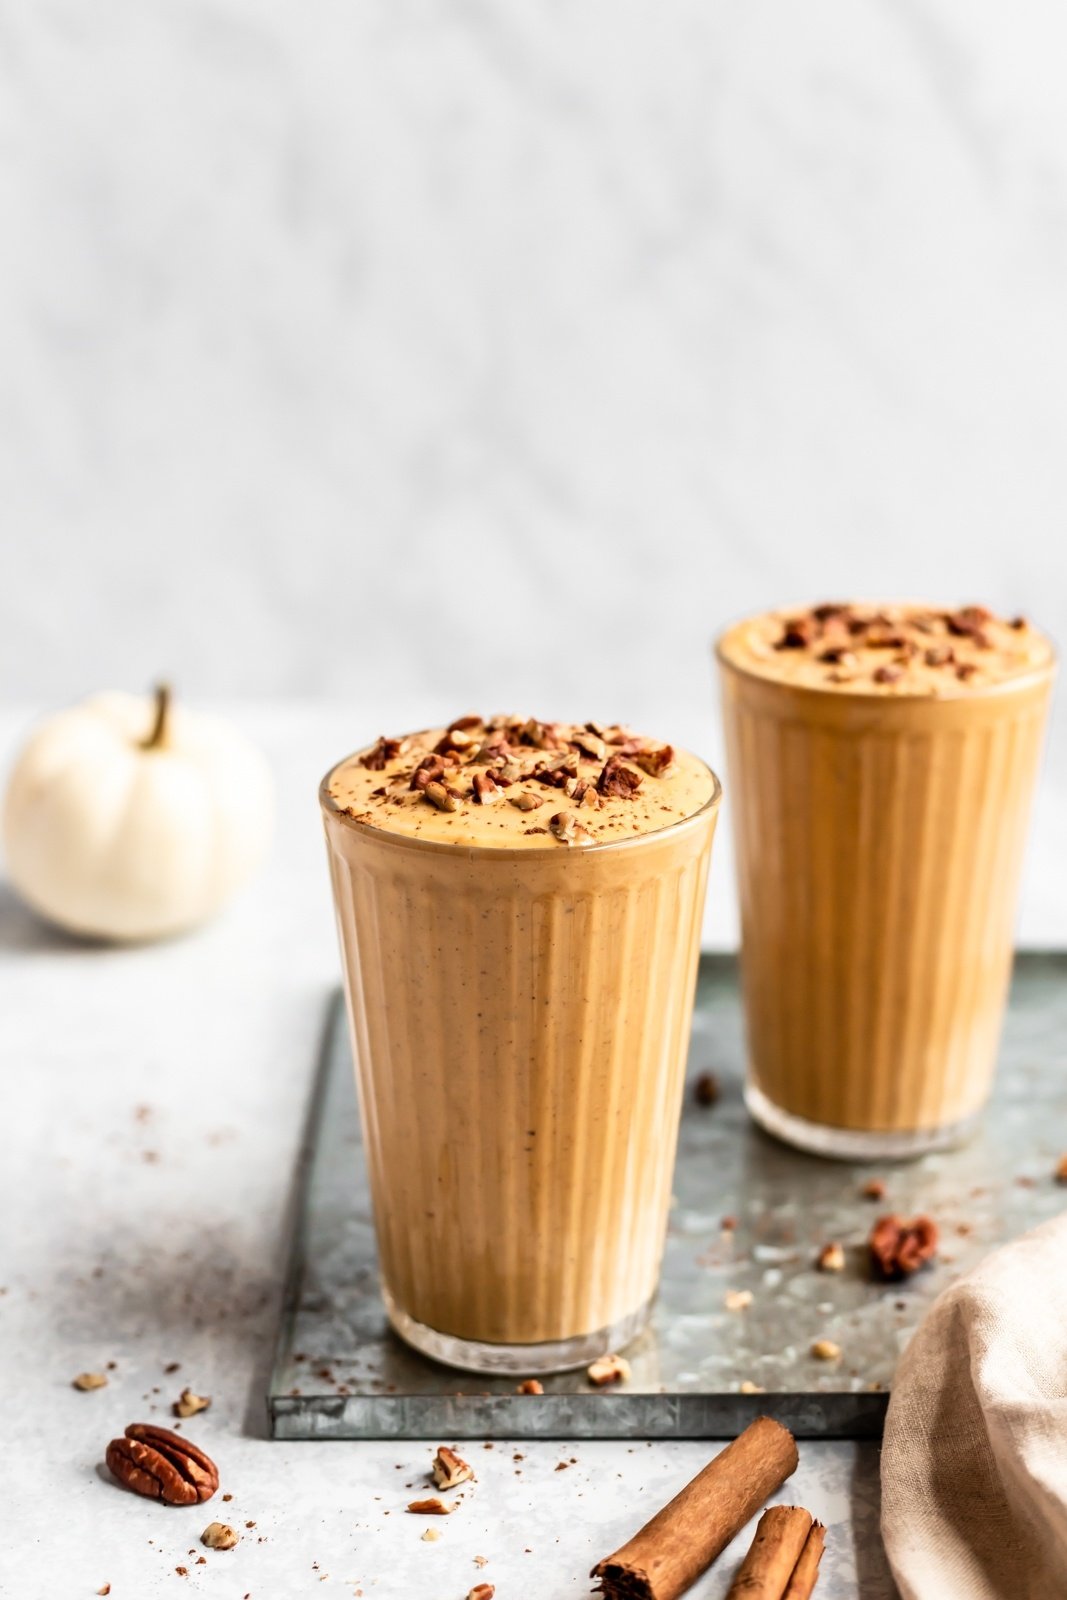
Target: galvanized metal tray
{"x": 749, "y": 1215}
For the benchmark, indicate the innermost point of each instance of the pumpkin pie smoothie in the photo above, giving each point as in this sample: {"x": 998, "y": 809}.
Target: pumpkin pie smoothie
{"x": 519, "y": 906}
{"x": 882, "y": 762}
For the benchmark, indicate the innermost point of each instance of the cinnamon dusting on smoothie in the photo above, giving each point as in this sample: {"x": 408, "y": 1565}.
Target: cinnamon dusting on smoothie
{"x": 887, "y": 650}
{"x": 603, "y": 783}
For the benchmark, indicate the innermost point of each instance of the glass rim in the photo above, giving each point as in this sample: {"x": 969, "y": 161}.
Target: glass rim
{"x": 389, "y": 836}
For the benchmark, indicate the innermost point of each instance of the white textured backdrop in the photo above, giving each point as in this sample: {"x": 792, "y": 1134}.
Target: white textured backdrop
{"x": 427, "y": 355}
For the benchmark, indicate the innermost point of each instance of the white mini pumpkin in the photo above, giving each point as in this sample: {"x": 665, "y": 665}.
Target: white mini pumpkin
{"x": 127, "y": 818}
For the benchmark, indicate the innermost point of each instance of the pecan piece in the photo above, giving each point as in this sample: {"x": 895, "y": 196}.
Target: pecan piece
{"x": 618, "y": 781}
{"x": 826, "y": 1350}
{"x": 796, "y": 634}
{"x": 706, "y": 1089}
{"x": 557, "y": 773}
{"x": 940, "y": 655}
{"x": 449, "y": 1469}
{"x": 464, "y": 724}
{"x": 384, "y": 751}
{"x": 968, "y": 621}
{"x": 590, "y": 744}
{"x": 831, "y": 1258}
{"x": 485, "y": 788}
{"x": 162, "y": 1465}
{"x": 433, "y": 1507}
{"x": 899, "y": 1248}
{"x": 530, "y": 1386}
{"x": 219, "y": 1536}
{"x": 439, "y": 796}
{"x": 525, "y": 801}
{"x": 482, "y": 1591}
{"x": 188, "y": 1403}
{"x": 888, "y": 674}
{"x": 655, "y": 759}
{"x": 608, "y": 1369}
{"x": 89, "y": 1380}
{"x": 429, "y": 770}
{"x": 568, "y": 830}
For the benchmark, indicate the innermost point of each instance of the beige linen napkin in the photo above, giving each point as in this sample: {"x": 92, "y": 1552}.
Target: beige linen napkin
{"x": 974, "y": 1466}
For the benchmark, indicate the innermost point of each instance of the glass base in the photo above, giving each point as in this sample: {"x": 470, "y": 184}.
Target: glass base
{"x": 853, "y": 1144}
{"x": 515, "y": 1360}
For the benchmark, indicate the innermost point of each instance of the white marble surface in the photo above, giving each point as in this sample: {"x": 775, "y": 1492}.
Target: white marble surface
{"x": 151, "y": 1102}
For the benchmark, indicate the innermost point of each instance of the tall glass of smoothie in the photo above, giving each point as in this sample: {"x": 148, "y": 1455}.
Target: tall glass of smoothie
{"x": 882, "y": 762}
{"x": 519, "y": 906}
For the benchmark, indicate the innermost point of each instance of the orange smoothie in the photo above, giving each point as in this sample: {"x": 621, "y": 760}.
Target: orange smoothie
{"x": 519, "y": 906}
{"x": 882, "y": 762}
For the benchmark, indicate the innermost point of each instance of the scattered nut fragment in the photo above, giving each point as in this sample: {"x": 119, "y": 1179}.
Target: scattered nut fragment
{"x": 188, "y": 1403}
{"x": 737, "y": 1299}
{"x": 899, "y": 1248}
{"x": 831, "y": 1258}
{"x": 433, "y": 1507}
{"x": 825, "y": 1350}
{"x": 748, "y": 1387}
{"x": 449, "y": 1469}
{"x": 1061, "y": 1170}
{"x": 219, "y": 1536}
{"x": 439, "y": 796}
{"x": 608, "y": 1369}
{"x": 530, "y": 1386}
{"x": 706, "y": 1089}
{"x": 89, "y": 1380}
{"x": 430, "y": 1534}
{"x": 568, "y": 830}
{"x": 873, "y": 1189}
{"x": 482, "y": 1591}
{"x": 105, "y": 1588}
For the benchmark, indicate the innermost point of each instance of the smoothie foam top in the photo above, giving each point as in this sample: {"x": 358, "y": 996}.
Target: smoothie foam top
{"x": 854, "y": 648}
{"x": 517, "y": 783}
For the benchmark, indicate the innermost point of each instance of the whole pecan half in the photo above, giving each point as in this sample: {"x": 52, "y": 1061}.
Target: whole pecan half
{"x": 899, "y": 1247}
{"x": 162, "y": 1465}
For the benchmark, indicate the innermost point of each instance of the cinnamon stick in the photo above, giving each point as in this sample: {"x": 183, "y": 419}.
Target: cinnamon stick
{"x": 681, "y": 1541}
{"x": 806, "y": 1571}
{"x": 773, "y": 1554}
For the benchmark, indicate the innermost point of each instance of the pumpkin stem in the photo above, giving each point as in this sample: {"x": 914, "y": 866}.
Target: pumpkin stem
{"x": 157, "y": 739}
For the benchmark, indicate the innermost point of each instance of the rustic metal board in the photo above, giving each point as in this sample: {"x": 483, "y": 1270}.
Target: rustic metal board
{"x": 340, "y": 1373}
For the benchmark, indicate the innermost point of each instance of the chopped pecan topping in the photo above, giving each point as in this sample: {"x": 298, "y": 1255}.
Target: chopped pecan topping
{"x": 384, "y": 751}
{"x": 618, "y": 781}
{"x": 797, "y": 633}
{"x": 590, "y": 744}
{"x": 525, "y": 801}
{"x": 608, "y": 1369}
{"x": 557, "y": 772}
{"x": 439, "y": 796}
{"x": 899, "y": 1248}
{"x": 453, "y": 739}
{"x": 839, "y": 656}
{"x": 829, "y": 610}
{"x": 464, "y": 724}
{"x": 655, "y": 759}
{"x": 567, "y": 829}
{"x": 449, "y": 1469}
{"x": 965, "y": 670}
{"x": 429, "y": 770}
{"x": 968, "y": 620}
{"x": 939, "y": 655}
{"x": 486, "y": 789}
{"x": 887, "y": 674}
